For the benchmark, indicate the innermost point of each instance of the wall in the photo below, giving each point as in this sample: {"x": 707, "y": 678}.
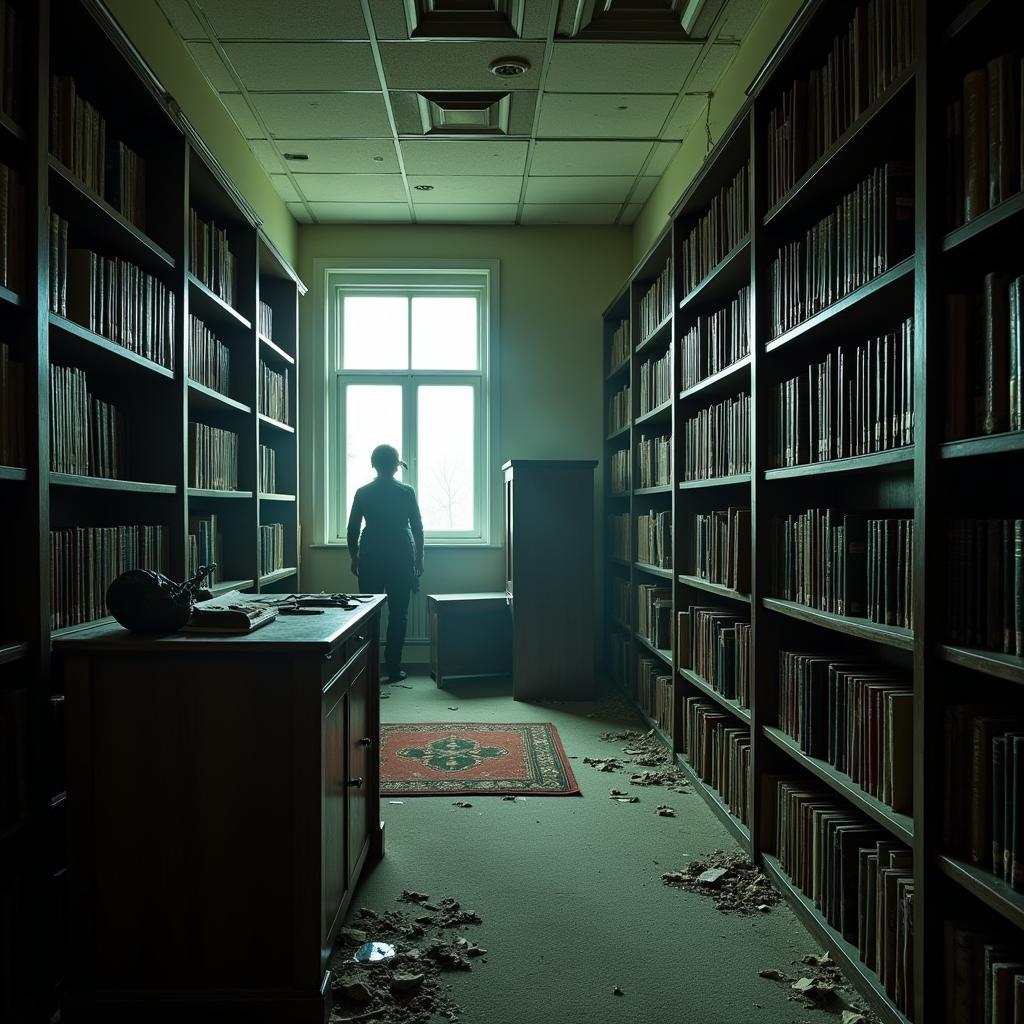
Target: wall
{"x": 554, "y": 284}
{"x": 730, "y": 94}
{"x": 147, "y": 27}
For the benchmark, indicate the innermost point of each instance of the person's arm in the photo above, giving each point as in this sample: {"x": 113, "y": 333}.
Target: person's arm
{"x": 416, "y": 525}
{"x": 355, "y": 519}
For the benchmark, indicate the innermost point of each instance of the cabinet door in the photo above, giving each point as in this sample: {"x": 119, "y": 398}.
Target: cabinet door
{"x": 334, "y": 805}
{"x": 359, "y": 741}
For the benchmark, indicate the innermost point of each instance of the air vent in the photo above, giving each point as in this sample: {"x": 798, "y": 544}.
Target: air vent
{"x": 669, "y": 20}
{"x": 464, "y": 19}
{"x": 464, "y": 113}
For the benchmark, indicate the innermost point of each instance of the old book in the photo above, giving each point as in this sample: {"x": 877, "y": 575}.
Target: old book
{"x": 1015, "y": 839}
{"x": 1003, "y": 128}
{"x": 229, "y": 613}
{"x": 975, "y": 143}
{"x": 899, "y": 753}
{"x": 996, "y": 353}
{"x": 1015, "y": 333}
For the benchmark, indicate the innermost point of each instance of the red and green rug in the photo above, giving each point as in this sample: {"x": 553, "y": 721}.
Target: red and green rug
{"x": 474, "y": 759}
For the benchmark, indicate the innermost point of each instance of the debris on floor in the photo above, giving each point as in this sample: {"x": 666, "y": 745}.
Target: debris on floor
{"x": 460, "y": 803}
{"x": 819, "y": 983}
{"x": 409, "y": 988}
{"x": 509, "y": 797}
{"x": 642, "y": 750}
{"x": 735, "y": 885}
{"x": 664, "y": 811}
{"x": 605, "y": 764}
{"x": 617, "y": 991}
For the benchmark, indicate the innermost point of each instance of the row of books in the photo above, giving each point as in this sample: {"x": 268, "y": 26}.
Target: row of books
{"x": 12, "y": 46}
{"x": 621, "y": 599}
{"x": 85, "y": 560}
{"x": 12, "y": 408}
{"x": 720, "y": 545}
{"x": 619, "y": 530}
{"x": 985, "y": 788}
{"x": 205, "y": 545}
{"x": 718, "y": 750}
{"x": 717, "y": 232}
{"x": 985, "y": 584}
{"x": 111, "y": 297}
{"x": 654, "y": 614}
{"x": 265, "y": 320}
{"x": 274, "y": 399}
{"x": 870, "y": 230}
{"x": 654, "y": 461}
{"x": 859, "y": 717}
{"x": 716, "y": 340}
{"x": 209, "y": 359}
{"x": 210, "y": 259}
{"x": 861, "y": 880}
{"x": 105, "y": 165}
{"x": 813, "y": 113}
{"x": 655, "y": 382}
{"x": 619, "y": 471}
{"x": 985, "y": 358}
{"x": 858, "y": 400}
{"x": 654, "y": 692}
{"x": 14, "y": 743}
{"x": 715, "y": 644}
{"x": 212, "y": 458}
{"x": 12, "y": 229}
{"x": 984, "y": 138}
{"x": 619, "y": 351}
{"x": 88, "y": 437}
{"x": 619, "y": 410}
{"x": 654, "y": 539}
{"x": 272, "y": 551}
{"x": 984, "y": 978}
{"x": 717, "y": 440}
{"x": 846, "y": 564}
{"x": 268, "y": 469}
{"x": 656, "y": 303}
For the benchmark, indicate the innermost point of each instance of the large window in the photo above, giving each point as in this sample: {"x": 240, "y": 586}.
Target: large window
{"x": 408, "y": 365}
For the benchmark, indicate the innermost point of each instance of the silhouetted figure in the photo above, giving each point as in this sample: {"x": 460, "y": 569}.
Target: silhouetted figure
{"x": 388, "y": 557}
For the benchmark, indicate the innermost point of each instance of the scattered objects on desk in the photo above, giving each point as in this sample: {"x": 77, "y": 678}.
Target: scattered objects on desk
{"x": 229, "y": 613}
{"x": 146, "y": 601}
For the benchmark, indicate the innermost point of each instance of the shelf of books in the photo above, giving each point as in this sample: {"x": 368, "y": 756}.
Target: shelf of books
{"x": 132, "y": 385}
{"x": 846, "y": 362}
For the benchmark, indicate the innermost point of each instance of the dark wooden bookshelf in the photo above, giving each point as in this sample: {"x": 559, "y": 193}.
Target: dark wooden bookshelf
{"x": 739, "y": 831}
{"x": 224, "y": 586}
{"x": 982, "y": 884}
{"x": 9, "y": 297}
{"x": 269, "y": 349}
{"x": 737, "y": 480}
{"x": 990, "y": 663}
{"x": 865, "y": 629}
{"x": 212, "y": 309}
{"x": 101, "y": 352}
{"x": 267, "y": 496}
{"x": 13, "y": 473}
{"x": 202, "y": 396}
{"x": 619, "y": 370}
{"x": 726, "y": 278}
{"x": 659, "y": 412}
{"x": 619, "y": 624}
{"x": 666, "y": 656}
{"x": 99, "y": 483}
{"x": 278, "y": 574}
{"x": 974, "y": 236}
{"x": 653, "y": 570}
{"x": 966, "y": 19}
{"x": 893, "y": 458}
{"x": 659, "y": 489}
{"x": 11, "y": 652}
{"x": 1012, "y": 442}
{"x": 210, "y": 492}
{"x": 725, "y": 382}
{"x": 658, "y": 334}
{"x": 275, "y": 424}
{"x": 616, "y": 434}
{"x": 701, "y": 684}
{"x": 718, "y": 589}
{"x": 11, "y": 127}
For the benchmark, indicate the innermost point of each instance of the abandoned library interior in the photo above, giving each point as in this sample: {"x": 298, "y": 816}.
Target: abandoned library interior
{"x": 512, "y": 511}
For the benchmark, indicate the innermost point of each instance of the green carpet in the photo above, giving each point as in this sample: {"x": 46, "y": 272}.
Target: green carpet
{"x": 570, "y": 891}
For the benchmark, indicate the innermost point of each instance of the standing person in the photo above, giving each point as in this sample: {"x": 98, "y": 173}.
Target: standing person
{"x": 388, "y": 557}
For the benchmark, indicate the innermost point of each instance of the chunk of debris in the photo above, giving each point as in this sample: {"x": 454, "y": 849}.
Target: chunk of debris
{"x": 354, "y": 992}
{"x": 509, "y": 797}
{"x": 664, "y": 811}
{"x": 852, "y": 1017}
{"x": 741, "y": 888}
{"x": 772, "y": 974}
{"x": 411, "y": 896}
{"x": 353, "y": 936}
{"x": 712, "y": 876}
{"x": 616, "y": 991}
{"x": 406, "y": 982}
{"x": 461, "y": 803}
{"x": 453, "y": 707}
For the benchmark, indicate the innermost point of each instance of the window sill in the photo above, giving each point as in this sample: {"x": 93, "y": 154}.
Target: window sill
{"x": 476, "y": 545}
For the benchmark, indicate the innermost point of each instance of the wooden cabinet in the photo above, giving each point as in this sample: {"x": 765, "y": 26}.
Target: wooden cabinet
{"x": 223, "y": 798}
{"x": 470, "y": 635}
{"x": 549, "y": 560}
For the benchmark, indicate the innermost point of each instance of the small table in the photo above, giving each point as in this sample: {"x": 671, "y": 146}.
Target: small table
{"x": 470, "y": 635}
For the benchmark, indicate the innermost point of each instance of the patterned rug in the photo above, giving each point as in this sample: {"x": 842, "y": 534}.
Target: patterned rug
{"x": 474, "y": 759}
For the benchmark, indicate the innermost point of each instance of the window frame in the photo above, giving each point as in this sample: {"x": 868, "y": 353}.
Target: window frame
{"x": 336, "y": 278}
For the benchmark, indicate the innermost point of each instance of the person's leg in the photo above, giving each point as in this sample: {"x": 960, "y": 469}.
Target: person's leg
{"x": 398, "y": 591}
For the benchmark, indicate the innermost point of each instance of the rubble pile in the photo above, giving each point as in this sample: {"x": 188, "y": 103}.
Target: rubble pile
{"x": 735, "y": 885}
{"x": 642, "y": 750}
{"x": 819, "y": 983}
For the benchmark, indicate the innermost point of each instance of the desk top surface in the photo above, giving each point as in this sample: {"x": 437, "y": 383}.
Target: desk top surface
{"x": 286, "y": 634}
{"x": 496, "y": 595}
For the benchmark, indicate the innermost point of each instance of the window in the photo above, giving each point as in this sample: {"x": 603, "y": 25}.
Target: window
{"x": 408, "y": 365}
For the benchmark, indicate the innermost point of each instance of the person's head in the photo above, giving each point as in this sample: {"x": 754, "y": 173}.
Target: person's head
{"x": 384, "y": 459}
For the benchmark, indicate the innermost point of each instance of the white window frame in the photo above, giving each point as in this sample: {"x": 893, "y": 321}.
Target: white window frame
{"x": 334, "y": 279}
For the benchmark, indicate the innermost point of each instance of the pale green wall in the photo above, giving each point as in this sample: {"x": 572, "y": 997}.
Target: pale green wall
{"x": 554, "y": 283}
{"x": 730, "y": 94}
{"x": 145, "y": 25}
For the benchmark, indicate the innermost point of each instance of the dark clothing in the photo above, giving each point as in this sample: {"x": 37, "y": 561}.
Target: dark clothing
{"x": 386, "y": 551}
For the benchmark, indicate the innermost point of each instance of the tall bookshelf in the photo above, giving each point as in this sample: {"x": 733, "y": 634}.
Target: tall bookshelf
{"x": 157, "y": 399}
{"x": 928, "y": 479}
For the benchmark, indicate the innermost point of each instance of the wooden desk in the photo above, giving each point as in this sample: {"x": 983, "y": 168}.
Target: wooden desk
{"x": 470, "y": 635}
{"x": 223, "y": 797}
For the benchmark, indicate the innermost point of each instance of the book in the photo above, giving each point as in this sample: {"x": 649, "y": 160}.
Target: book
{"x": 717, "y": 440}
{"x": 212, "y": 458}
{"x": 716, "y": 340}
{"x": 210, "y": 258}
{"x": 655, "y": 305}
{"x": 229, "y": 613}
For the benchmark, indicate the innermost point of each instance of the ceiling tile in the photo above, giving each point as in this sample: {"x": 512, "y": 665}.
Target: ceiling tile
{"x": 578, "y": 190}
{"x": 351, "y": 188}
{"x": 590, "y": 116}
{"x": 284, "y": 187}
{"x": 292, "y": 67}
{"x": 339, "y": 156}
{"x": 299, "y": 212}
{"x": 631, "y": 213}
{"x": 712, "y": 67}
{"x": 644, "y": 189}
{"x": 182, "y": 19}
{"x": 583, "y": 158}
{"x": 466, "y": 213}
{"x": 238, "y": 108}
{"x": 295, "y": 19}
{"x": 439, "y": 66}
{"x": 661, "y": 157}
{"x": 459, "y": 156}
{"x": 739, "y": 16}
{"x": 627, "y": 67}
{"x": 372, "y": 213}
{"x": 267, "y": 156}
{"x": 575, "y": 213}
{"x": 466, "y": 188}
{"x": 215, "y": 70}
{"x": 686, "y": 114}
{"x": 324, "y": 115}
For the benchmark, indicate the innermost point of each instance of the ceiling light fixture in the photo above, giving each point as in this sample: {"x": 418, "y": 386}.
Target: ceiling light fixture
{"x": 424, "y": 188}
{"x": 296, "y": 156}
{"x": 509, "y": 67}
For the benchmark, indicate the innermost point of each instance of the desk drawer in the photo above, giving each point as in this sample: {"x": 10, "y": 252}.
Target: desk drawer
{"x": 346, "y": 657}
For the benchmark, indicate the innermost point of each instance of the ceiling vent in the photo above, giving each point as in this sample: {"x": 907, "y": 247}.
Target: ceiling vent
{"x": 464, "y": 19}
{"x": 643, "y": 20}
{"x": 464, "y": 113}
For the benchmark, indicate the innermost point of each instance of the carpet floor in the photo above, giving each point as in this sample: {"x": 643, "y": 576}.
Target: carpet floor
{"x": 570, "y": 890}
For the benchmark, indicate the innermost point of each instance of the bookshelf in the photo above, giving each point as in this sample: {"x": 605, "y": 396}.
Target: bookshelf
{"x": 157, "y": 396}
{"x": 930, "y": 479}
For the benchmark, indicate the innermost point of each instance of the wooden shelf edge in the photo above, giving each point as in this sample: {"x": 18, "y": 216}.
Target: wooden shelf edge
{"x": 64, "y": 631}
{"x": 1009, "y": 667}
{"x": 13, "y": 473}
{"x": 11, "y": 298}
{"x": 275, "y": 424}
{"x": 653, "y": 335}
{"x": 213, "y": 297}
{"x": 224, "y": 586}
{"x": 655, "y": 413}
{"x": 725, "y": 264}
{"x": 273, "y": 496}
{"x": 99, "y": 483}
{"x": 612, "y": 374}
{"x": 715, "y": 481}
{"x": 658, "y": 489}
{"x": 61, "y": 323}
{"x": 276, "y": 349}
{"x": 852, "y": 464}
{"x": 617, "y": 433}
{"x": 10, "y": 652}
{"x": 208, "y": 492}
{"x": 277, "y": 574}
{"x": 890, "y": 636}
{"x": 666, "y": 656}
{"x": 716, "y": 378}
{"x": 701, "y": 684}
{"x": 900, "y": 825}
{"x": 654, "y": 570}
{"x": 988, "y": 444}
{"x": 993, "y": 217}
{"x": 709, "y": 794}
{"x": 713, "y": 588}
{"x": 992, "y": 891}
{"x": 216, "y": 396}
{"x": 619, "y": 624}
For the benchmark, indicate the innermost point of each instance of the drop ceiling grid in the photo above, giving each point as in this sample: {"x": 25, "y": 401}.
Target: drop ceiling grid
{"x": 313, "y": 80}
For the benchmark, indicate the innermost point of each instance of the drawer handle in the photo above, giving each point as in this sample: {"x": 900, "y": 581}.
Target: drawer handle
{"x": 355, "y": 783}
{"x": 366, "y": 742}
